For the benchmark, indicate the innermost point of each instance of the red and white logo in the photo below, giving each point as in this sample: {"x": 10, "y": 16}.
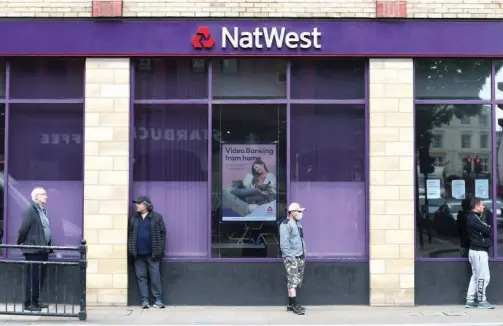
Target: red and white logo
{"x": 203, "y": 39}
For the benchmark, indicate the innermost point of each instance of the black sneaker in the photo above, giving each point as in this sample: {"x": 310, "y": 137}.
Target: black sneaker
{"x": 296, "y": 309}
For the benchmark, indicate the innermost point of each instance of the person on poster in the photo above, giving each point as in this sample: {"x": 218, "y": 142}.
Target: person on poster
{"x": 257, "y": 188}
{"x": 479, "y": 233}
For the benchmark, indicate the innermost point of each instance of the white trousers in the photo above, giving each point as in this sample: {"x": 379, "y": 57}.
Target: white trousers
{"x": 480, "y": 275}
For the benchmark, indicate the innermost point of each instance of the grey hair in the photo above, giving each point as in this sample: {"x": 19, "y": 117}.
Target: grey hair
{"x": 35, "y": 192}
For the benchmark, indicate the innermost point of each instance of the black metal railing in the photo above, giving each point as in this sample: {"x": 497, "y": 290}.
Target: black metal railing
{"x": 39, "y": 287}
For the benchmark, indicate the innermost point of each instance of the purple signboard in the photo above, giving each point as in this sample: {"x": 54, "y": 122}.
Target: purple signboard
{"x": 259, "y": 37}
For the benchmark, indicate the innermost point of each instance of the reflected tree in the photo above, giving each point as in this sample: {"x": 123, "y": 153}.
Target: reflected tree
{"x": 438, "y": 79}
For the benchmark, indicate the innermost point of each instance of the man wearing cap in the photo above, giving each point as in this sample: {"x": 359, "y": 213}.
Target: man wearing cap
{"x": 146, "y": 243}
{"x": 293, "y": 250}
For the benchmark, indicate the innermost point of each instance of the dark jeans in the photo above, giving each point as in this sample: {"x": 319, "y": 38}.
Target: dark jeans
{"x": 144, "y": 267}
{"x": 35, "y": 278}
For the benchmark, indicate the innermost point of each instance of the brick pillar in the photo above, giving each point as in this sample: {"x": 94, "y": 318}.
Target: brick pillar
{"x": 106, "y": 179}
{"x": 391, "y": 182}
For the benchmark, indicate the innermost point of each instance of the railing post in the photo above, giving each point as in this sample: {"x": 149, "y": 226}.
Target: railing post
{"x": 83, "y": 275}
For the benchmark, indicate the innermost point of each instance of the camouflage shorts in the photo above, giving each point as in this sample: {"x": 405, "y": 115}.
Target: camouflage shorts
{"x": 295, "y": 272}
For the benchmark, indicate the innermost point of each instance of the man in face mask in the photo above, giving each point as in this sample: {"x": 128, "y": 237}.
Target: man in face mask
{"x": 293, "y": 250}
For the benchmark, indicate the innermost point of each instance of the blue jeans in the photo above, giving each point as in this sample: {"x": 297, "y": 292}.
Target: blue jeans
{"x": 146, "y": 267}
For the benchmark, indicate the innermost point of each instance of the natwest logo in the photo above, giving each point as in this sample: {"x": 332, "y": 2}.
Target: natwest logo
{"x": 264, "y": 37}
{"x": 203, "y": 39}
{"x": 259, "y": 38}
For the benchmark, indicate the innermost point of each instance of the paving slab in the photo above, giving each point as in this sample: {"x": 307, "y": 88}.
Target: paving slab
{"x": 318, "y": 315}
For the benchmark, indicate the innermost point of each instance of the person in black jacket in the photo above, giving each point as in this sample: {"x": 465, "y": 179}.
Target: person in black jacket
{"x": 146, "y": 243}
{"x": 479, "y": 234}
{"x": 35, "y": 230}
{"x": 462, "y": 228}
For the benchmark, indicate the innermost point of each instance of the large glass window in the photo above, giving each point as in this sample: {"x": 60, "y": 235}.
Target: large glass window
{"x": 249, "y": 154}
{"x": 451, "y": 79}
{"x": 171, "y": 78}
{"x": 171, "y": 167}
{"x": 443, "y": 189}
{"x": 249, "y": 79}
{"x": 223, "y": 181}
{"x": 44, "y": 145}
{"x": 328, "y": 170}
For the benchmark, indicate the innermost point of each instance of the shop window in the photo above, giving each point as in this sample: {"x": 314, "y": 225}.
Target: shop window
{"x": 328, "y": 177}
{"x": 46, "y": 149}
{"x": 249, "y": 180}
{"x": 452, "y": 79}
{"x": 3, "y": 79}
{"x": 43, "y": 78}
{"x": 440, "y": 191}
{"x": 498, "y": 176}
{"x": 334, "y": 79}
{"x": 2, "y": 169}
{"x": 171, "y": 167}
{"x": 249, "y": 78}
{"x": 170, "y": 78}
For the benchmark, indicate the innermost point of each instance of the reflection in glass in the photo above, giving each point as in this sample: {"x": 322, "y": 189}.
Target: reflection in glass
{"x": 50, "y": 136}
{"x": 46, "y": 78}
{"x": 2, "y": 169}
{"x": 249, "y": 78}
{"x": 328, "y": 172}
{"x": 170, "y": 78}
{"x": 499, "y": 176}
{"x": 252, "y": 184}
{"x": 335, "y": 79}
{"x": 458, "y": 171}
{"x": 452, "y": 79}
{"x": 171, "y": 167}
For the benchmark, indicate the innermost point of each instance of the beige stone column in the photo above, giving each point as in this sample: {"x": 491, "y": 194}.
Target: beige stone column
{"x": 106, "y": 179}
{"x": 391, "y": 182}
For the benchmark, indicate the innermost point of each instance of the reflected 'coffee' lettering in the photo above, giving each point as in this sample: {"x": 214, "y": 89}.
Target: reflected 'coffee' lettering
{"x": 57, "y": 139}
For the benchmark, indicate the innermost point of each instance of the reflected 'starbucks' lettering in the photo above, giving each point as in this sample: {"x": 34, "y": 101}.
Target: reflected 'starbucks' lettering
{"x": 171, "y": 134}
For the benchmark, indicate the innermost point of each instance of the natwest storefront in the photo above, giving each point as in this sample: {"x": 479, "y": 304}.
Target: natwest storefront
{"x": 192, "y": 113}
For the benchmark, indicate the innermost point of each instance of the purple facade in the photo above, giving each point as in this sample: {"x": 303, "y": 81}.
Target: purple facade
{"x": 44, "y": 144}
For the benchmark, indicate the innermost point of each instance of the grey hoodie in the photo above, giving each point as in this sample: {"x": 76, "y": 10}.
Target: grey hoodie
{"x": 291, "y": 239}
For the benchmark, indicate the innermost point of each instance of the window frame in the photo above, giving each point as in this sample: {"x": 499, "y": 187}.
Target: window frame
{"x": 7, "y": 100}
{"x": 492, "y": 102}
{"x": 288, "y": 101}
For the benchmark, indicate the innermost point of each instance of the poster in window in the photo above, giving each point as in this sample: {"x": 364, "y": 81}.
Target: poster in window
{"x": 249, "y": 186}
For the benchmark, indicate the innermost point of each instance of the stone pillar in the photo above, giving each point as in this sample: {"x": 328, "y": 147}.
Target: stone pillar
{"x": 106, "y": 179}
{"x": 391, "y": 182}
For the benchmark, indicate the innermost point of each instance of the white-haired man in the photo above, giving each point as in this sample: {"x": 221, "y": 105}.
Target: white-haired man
{"x": 35, "y": 230}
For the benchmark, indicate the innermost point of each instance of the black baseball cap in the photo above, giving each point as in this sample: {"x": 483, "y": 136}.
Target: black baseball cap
{"x": 142, "y": 199}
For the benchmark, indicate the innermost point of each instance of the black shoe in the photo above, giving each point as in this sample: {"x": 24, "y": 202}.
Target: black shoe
{"x": 296, "y": 309}
{"x": 43, "y": 305}
{"x": 32, "y": 308}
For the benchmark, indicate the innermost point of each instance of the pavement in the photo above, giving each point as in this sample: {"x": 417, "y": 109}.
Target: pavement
{"x": 327, "y": 315}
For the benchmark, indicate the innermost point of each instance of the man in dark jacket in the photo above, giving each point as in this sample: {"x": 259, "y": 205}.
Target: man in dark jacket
{"x": 146, "y": 243}
{"x": 479, "y": 233}
{"x": 35, "y": 231}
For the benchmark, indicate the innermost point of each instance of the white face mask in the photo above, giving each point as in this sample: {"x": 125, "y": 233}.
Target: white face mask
{"x": 299, "y": 216}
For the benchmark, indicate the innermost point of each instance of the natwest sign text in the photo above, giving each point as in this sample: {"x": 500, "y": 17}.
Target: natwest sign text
{"x": 268, "y": 37}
